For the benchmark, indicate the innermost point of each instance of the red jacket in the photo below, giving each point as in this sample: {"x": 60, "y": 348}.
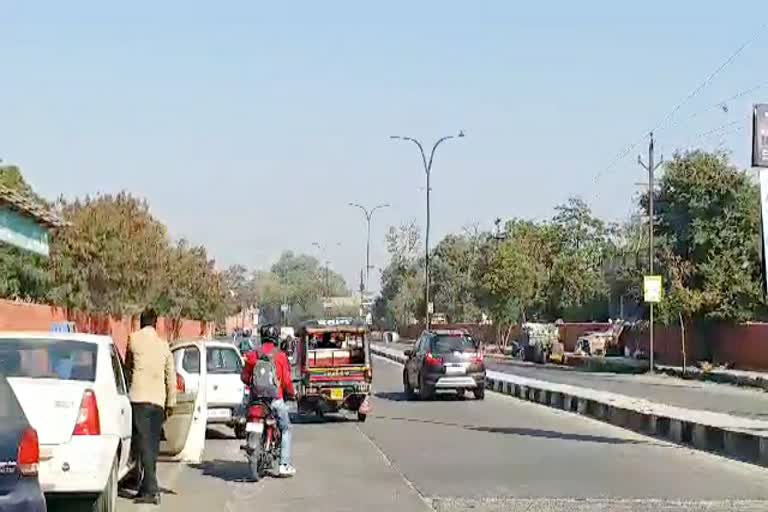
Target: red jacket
{"x": 282, "y": 366}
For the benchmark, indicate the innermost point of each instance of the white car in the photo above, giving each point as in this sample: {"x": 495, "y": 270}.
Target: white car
{"x": 225, "y": 392}
{"x": 73, "y": 391}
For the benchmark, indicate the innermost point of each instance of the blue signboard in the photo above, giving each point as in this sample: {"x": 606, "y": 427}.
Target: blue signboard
{"x": 23, "y": 232}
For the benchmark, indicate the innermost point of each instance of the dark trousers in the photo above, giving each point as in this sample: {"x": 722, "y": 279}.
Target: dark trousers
{"x": 147, "y": 430}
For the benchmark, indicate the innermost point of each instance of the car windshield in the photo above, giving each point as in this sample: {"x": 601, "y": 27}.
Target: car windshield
{"x": 448, "y": 344}
{"x": 223, "y": 360}
{"x": 48, "y": 359}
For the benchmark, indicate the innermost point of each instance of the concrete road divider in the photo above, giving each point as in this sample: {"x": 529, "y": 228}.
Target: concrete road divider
{"x": 733, "y": 436}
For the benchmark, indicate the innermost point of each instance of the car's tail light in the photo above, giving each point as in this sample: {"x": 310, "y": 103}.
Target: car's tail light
{"x": 181, "y": 386}
{"x": 88, "y": 423}
{"x": 29, "y": 453}
{"x": 433, "y": 360}
{"x": 477, "y": 358}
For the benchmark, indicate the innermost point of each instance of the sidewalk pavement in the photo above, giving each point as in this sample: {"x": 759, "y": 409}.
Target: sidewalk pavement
{"x": 659, "y": 388}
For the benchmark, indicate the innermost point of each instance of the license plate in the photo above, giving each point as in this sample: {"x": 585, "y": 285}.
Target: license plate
{"x": 455, "y": 370}
{"x": 219, "y": 413}
{"x": 254, "y": 426}
{"x": 337, "y": 393}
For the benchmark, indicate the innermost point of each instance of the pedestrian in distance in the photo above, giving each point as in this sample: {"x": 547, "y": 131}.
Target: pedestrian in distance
{"x": 152, "y": 378}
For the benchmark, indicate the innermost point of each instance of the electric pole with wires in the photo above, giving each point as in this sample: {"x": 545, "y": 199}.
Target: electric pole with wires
{"x": 651, "y": 168}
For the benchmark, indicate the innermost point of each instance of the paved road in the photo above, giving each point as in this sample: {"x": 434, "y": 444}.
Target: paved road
{"x": 451, "y": 455}
{"x": 707, "y": 396}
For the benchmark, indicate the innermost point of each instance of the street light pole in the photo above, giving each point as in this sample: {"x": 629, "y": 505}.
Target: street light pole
{"x": 323, "y": 248}
{"x": 428, "y": 172}
{"x": 368, "y": 215}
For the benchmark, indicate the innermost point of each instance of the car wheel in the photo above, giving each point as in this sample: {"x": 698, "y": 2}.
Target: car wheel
{"x": 107, "y": 500}
{"x": 361, "y": 417}
{"x": 409, "y": 393}
{"x": 479, "y": 392}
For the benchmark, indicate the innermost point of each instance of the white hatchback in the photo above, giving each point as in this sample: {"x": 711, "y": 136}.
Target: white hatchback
{"x": 73, "y": 390}
{"x": 225, "y": 392}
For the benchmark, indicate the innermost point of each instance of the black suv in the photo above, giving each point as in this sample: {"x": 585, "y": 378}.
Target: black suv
{"x": 444, "y": 360}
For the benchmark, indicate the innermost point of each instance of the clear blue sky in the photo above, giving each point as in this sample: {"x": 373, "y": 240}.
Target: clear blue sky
{"x": 249, "y": 126}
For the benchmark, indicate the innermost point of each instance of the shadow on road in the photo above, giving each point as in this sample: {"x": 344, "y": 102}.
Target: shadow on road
{"x": 211, "y": 433}
{"x": 399, "y": 396}
{"x": 527, "y": 432}
{"x": 227, "y": 470}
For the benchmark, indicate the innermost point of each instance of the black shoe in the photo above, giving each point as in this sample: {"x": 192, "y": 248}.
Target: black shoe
{"x": 151, "y": 499}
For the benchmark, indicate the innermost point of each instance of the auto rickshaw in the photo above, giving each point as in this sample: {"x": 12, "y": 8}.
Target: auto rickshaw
{"x": 334, "y": 367}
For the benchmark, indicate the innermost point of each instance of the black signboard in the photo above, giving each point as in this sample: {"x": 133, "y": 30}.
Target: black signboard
{"x": 760, "y": 136}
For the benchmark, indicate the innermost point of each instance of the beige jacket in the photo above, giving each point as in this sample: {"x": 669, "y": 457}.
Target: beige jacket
{"x": 150, "y": 367}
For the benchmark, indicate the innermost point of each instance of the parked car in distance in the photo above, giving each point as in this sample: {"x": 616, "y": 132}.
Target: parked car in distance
{"x": 444, "y": 360}
{"x": 73, "y": 391}
{"x": 19, "y": 456}
{"x": 225, "y": 392}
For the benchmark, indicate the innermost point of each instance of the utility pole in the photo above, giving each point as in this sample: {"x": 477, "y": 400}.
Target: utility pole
{"x": 368, "y": 215}
{"x": 651, "y": 168}
{"x": 428, "y": 172}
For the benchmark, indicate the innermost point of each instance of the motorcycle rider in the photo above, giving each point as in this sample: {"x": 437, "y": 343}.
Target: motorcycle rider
{"x": 270, "y": 337}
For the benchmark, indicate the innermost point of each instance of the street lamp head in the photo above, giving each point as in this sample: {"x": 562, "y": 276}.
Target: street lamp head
{"x": 460, "y": 134}
{"x": 395, "y": 137}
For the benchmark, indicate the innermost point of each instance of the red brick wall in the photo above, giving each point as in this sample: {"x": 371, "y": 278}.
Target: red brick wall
{"x": 17, "y": 316}
{"x": 743, "y": 346}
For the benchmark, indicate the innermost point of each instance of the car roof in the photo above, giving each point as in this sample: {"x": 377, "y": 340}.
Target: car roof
{"x": 99, "y": 339}
{"x": 204, "y": 343}
{"x": 449, "y": 332}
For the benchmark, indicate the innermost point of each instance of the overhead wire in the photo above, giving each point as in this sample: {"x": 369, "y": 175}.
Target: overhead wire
{"x": 684, "y": 101}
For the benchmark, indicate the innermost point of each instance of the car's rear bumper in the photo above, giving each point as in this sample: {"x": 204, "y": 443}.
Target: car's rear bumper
{"x": 236, "y": 414}
{"x": 81, "y": 465}
{"x": 26, "y": 495}
{"x": 470, "y": 381}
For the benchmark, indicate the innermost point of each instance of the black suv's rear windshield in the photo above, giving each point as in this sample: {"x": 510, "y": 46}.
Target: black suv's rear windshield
{"x": 448, "y": 344}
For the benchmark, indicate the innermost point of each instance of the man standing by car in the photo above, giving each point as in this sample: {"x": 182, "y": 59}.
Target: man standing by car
{"x": 152, "y": 379}
{"x": 270, "y": 337}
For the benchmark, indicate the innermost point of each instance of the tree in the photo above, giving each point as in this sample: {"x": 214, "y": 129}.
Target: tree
{"x": 507, "y": 284}
{"x": 453, "y": 261}
{"x": 708, "y": 213}
{"x": 402, "y": 281}
{"x": 113, "y": 257}
{"x": 193, "y": 289}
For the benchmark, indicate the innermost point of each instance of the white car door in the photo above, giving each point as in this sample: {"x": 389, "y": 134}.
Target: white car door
{"x": 184, "y": 428}
{"x": 125, "y": 418}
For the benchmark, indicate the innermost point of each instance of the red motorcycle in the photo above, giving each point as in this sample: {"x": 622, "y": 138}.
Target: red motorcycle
{"x": 262, "y": 447}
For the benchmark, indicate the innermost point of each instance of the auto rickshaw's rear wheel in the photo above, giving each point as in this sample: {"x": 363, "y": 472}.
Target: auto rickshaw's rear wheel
{"x": 361, "y": 417}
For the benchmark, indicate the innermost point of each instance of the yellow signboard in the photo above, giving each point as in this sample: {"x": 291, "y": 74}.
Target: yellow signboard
{"x": 652, "y": 288}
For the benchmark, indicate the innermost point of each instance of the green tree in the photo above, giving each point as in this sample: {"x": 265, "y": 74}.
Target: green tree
{"x": 708, "y": 213}
{"x": 193, "y": 288}
{"x": 112, "y": 258}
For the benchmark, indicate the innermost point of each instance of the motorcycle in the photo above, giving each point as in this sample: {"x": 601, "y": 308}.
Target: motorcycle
{"x": 262, "y": 447}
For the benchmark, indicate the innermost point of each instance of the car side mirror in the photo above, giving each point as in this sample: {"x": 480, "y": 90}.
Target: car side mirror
{"x": 408, "y": 353}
